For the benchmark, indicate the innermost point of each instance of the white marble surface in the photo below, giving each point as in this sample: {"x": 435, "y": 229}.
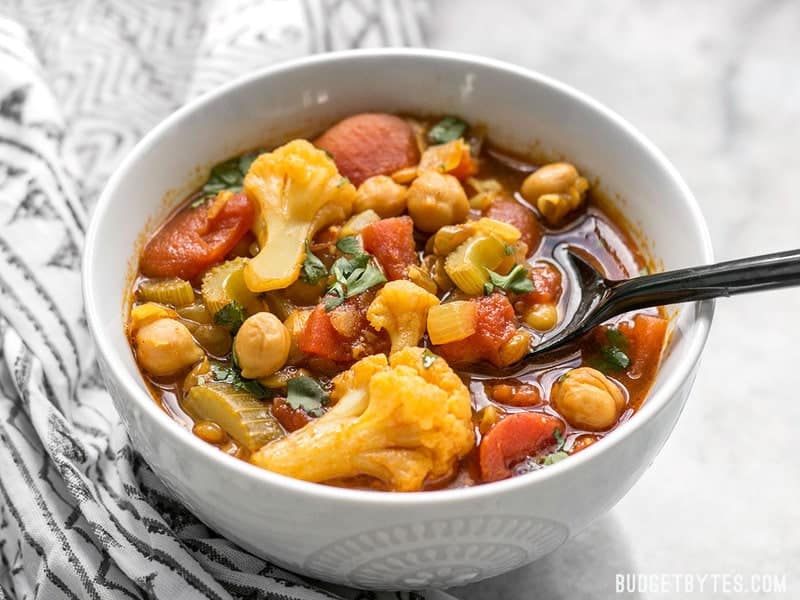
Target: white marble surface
{"x": 717, "y": 87}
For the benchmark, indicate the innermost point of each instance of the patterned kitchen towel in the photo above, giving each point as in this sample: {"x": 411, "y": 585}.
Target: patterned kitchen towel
{"x": 81, "y": 516}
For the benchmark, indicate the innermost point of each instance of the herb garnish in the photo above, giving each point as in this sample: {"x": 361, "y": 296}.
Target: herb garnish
{"x": 349, "y": 245}
{"x": 558, "y": 454}
{"x": 313, "y": 268}
{"x": 612, "y": 356}
{"x": 304, "y": 392}
{"x": 560, "y": 440}
{"x": 233, "y": 376}
{"x": 446, "y": 130}
{"x": 231, "y": 315}
{"x": 227, "y": 175}
{"x": 355, "y": 273}
{"x": 555, "y": 457}
{"x": 516, "y": 281}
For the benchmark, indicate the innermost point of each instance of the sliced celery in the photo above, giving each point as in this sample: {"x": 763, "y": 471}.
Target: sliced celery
{"x": 243, "y": 417}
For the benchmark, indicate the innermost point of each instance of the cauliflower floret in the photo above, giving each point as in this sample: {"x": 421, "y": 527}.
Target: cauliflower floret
{"x": 298, "y": 191}
{"x": 401, "y": 307}
{"x": 395, "y": 420}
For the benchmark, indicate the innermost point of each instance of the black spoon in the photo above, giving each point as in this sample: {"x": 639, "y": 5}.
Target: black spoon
{"x": 595, "y": 299}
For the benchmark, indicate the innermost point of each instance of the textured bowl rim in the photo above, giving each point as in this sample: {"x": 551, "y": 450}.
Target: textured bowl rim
{"x": 696, "y": 333}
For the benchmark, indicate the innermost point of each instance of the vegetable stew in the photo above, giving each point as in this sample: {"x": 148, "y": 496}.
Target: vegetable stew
{"x": 315, "y": 309}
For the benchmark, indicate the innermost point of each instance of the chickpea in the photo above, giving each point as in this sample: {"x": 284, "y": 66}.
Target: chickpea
{"x": 166, "y": 347}
{"x": 556, "y": 189}
{"x": 515, "y": 348}
{"x": 261, "y": 345}
{"x": 587, "y": 399}
{"x": 209, "y": 432}
{"x": 541, "y": 317}
{"x": 436, "y": 200}
{"x": 381, "y": 194}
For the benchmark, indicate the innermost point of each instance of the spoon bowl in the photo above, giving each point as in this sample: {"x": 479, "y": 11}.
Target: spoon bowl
{"x": 594, "y": 299}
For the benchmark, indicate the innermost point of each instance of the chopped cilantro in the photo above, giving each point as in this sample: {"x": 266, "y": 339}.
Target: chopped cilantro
{"x": 342, "y": 181}
{"x": 615, "y": 357}
{"x": 428, "y": 358}
{"x": 616, "y": 338}
{"x": 354, "y": 273}
{"x": 508, "y": 249}
{"x": 612, "y": 356}
{"x": 245, "y": 162}
{"x": 334, "y": 296}
{"x": 554, "y": 457}
{"x": 516, "y": 281}
{"x": 230, "y": 315}
{"x": 448, "y": 129}
{"x": 199, "y": 201}
{"x": 349, "y": 245}
{"x": 313, "y": 268}
{"x": 227, "y": 175}
{"x": 233, "y": 376}
{"x": 304, "y": 392}
{"x": 369, "y": 277}
{"x": 560, "y": 440}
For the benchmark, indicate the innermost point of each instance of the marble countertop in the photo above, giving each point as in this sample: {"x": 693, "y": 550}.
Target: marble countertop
{"x": 717, "y": 87}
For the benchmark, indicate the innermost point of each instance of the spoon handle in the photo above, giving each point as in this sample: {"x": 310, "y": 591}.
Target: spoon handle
{"x": 757, "y": 273}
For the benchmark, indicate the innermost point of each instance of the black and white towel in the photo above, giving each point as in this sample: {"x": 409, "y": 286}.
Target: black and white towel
{"x": 81, "y": 515}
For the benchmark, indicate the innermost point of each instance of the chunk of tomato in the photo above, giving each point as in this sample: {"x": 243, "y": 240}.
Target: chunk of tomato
{"x": 291, "y": 419}
{"x": 646, "y": 339}
{"x": 495, "y": 324}
{"x": 320, "y": 338}
{"x": 516, "y": 436}
{"x": 391, "y": 241}
{"x": 197, "y": 238}
{"x": 547, "y": 285}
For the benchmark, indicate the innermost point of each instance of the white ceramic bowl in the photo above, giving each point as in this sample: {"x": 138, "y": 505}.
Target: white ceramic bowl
{"x": 373, "y": 539}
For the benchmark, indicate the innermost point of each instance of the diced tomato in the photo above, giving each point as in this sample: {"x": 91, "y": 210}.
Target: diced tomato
{"x": 646, "y": 338}
{"x": 197, "y": 238}
{"x": 370, "y": 144}
{"x": 467, "y": 167}
{"x": 513, "y": 213}
{"x": 320, "y": 338}
{"x": 547, "y": 281}
{"x": 291, "y": 419}
{"x": 391, "y": 241}
{"x": 518, "y": 435}
{"x": 496, "y": 323}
